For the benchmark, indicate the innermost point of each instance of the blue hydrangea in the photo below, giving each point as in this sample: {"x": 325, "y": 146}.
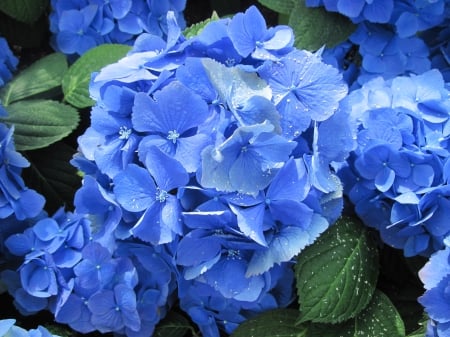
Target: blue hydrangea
{"x": 196, "y": 162}
{"x": 435, "y": 276}
{"x": 178, "y": 126}
{"x": 81, "y": 25}
{"x": 15, "y": 198}
{"x": 398, "y": 173}
{"x": 8, "y": 62}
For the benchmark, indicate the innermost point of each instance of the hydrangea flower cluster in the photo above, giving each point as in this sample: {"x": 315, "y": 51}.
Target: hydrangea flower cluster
{"x": 206, "y": 170}
{"x": 389, "y": 35}
{"x": 8, "y": 62}
{"x": 9, "y": 329}
{"x": 78, "y": 26}
{"x": 435, "y": 276}
{"x": 397, "y": 177}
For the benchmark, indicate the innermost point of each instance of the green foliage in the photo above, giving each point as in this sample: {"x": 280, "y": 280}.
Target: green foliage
{"x": 53, "y": 177}
{"x": 196, "y": 28}
{"x": 337, "y": 275}
{"x": 39, "y": 123}
{"x": 378, "y": 319}
{"x": 280, "y": 322}
{"x": 42, "y": 76}
{"x": 173, "y": 325}
{"x": 75, "y": 84}
{"x": 280, "y": 6}
{"x": 26, "y": 11}
{"x": 313, "y": 27}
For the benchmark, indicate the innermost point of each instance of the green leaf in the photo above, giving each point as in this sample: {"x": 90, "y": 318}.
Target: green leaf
{"x": 27, "y": 11}
{"x": 75, "y": 83}
{"x": 39, "y": 123}
{"x": 337, "y": 275}
{"x": 279, "y": 322}
{"x": 196, "y": 28}
{"x": 173, "y": 325}
{"x": 53, "y": 177}
{"x": 42, "y": 76}
{"x": 316, "y": 27}
{"x": 378, "y": 319}
{"x": 279, "y": 6}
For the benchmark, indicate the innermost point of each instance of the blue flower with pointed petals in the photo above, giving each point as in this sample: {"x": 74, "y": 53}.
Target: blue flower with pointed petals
{"x": 150, "y": 190}
{"x": 250, "y": 36}
{"x": 169, "y": 121}
{"x": 304, "y": 89}
{"x": 255, "y": 149}
{"x": 115, "y": 309}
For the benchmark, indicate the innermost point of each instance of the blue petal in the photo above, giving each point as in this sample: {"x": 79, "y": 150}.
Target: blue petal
{"x": 251, "y": 222}
{"x": 287, "y": 243}
{"x": 134, "y": 188}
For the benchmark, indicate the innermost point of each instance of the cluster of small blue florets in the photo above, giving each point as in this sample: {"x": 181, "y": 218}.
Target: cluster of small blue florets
{"x": 78, "y": 26}
{"x": 392, "y": 38}
{"x": 397, "y": 177}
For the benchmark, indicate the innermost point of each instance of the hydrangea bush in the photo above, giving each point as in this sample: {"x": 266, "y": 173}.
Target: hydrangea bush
{"x": 234, "y": 178}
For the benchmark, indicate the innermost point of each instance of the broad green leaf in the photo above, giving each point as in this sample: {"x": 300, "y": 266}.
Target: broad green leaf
{"x": 173, "y": 325}
{"x": 75, "y": 83}
{"x": 24, "y": 35}
{"x": 27, "y": 11}
{"x": 39, "y": 123}
{"x": 279, "y": 322}
{"x": 378, "y": 319}
{"x": 279, "y": 6}
{"x": 337, "y": 275}
{"x": 42, "y": 76}
{"x": 316, "y": 27}
{"x": 196, "y": 28}
{"x": 51, "y": 174}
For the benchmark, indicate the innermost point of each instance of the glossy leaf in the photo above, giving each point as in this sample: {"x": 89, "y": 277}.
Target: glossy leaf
{"x": 75, "y": 83}
{"x": 336, "y": 276}
{"x": 173, "y": 325}
{"x": 279, "y": 6}
{"x": 27, "y": 11}
{"x": 280, "y": 322}
{"x": 39, "y": 123}
{"x": 379, "y": 319}
{"x": 42, "y": 76}
{"x": 51, "y": 174}
{"x": 315, "y": 27}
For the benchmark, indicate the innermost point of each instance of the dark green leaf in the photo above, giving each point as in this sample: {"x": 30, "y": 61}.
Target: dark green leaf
{"x": 43, "y": 75}
{"x": 75, "y": 83}
{"x": 24, "y": 35}
{"x": 378, "y": 319}
{"x": 280, "y": 322}
{"x": 279, "y": 6}
{"x": 27, "y": 11}
{"x": 337, "y": 275}
{"x": 51, "y": 174}
{"x": 196, "y": 28}
{"x": 173, "y": 325}
{"x": 39, "y": 123}
{"x": 316, "y": 27}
